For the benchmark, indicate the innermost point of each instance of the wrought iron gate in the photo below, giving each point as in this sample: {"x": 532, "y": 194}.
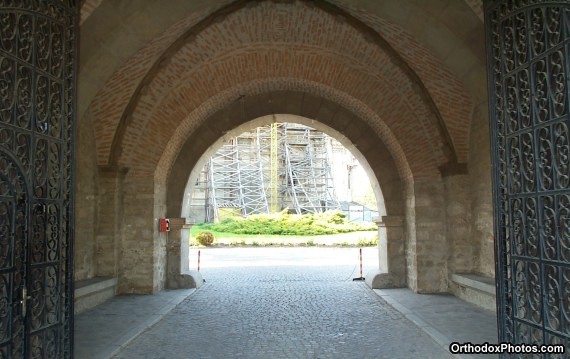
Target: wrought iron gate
{"x": 528, "y": 51}
{"x": 37, "y": 109}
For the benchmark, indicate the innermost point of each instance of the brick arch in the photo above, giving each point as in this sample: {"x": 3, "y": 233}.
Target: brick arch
{"x": 326, "y": 113}
{"x": 257, "y": 95}
{"x": 158, "y": 119}
{"x": 363, "y": 43}
{"x": 126, "y": 63}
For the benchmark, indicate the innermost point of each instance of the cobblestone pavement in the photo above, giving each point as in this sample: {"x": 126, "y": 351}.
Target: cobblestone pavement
{"x": 295, "y": 310}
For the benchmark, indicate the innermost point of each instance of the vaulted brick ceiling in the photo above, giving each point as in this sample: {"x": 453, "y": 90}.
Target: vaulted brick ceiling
{"x": 150, "y": 73}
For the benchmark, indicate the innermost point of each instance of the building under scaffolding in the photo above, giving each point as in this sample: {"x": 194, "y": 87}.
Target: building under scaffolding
{"x": 266, "y": 170}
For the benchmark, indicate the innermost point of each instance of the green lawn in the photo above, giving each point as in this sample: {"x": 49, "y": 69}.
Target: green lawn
{"x": 286, "y": 229}
{"x": 361, "y": 239}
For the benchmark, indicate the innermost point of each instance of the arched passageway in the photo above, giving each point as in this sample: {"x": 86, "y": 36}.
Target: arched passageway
{"x": 393, "y": 273}
{"x": 413, "y": 112}
{"x": 402, "y": 80}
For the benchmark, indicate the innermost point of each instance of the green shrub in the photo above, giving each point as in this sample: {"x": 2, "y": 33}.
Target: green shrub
{"x": 366, "y": 243}
{"x": 284, "y": 223}
{"x": 205, "y": 238}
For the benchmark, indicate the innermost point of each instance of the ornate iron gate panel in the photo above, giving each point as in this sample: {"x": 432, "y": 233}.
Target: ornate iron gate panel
{"x": 37, "y": 109}
{"x": 528, "y": 47}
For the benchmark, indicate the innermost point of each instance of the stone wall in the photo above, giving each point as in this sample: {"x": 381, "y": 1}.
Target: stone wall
{"x": 160, "y": 240}
{"x": 401, "y": 95}
{"x": 110, "y": 220}
{"x": 448, "y": 225}
{"x": 430, "y": 244}
{"x": 481, "y": 192}
{"x": 86, "y": 196}
{"x": 117, "y": 229}
{"x": 138, "y": 237}
{"x": 410, "y": 235}
{"x": 462, "y": 256}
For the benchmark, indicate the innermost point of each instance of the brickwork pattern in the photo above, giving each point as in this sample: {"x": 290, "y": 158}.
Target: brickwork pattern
{"x": 110, "y": 102}
{"x": 446, "y": 89}
{"x": 87, "y": 8}
{"x": 325, "y": 114}
{"x": 290, "y": 46}
{"x": 327, "y": 39}
{"x": 174, "y": 108}
{"x": 116, "y": 32}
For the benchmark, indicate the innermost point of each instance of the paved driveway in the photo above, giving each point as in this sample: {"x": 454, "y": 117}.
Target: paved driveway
{"x": 283, "y": 303}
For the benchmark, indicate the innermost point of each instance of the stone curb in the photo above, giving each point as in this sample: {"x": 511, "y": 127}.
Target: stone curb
{"x": 442, "y": 339}
{"x": 132, "y": 335}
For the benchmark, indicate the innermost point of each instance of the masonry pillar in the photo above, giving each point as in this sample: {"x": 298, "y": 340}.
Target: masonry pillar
{"x": 461, "y": 254}
{"x": 140, "y": 249}
{"x": 391, "y": 254}
{"x": 178, "y": 273}
{"x": 110, "y": 218}
{"x": 430, "y": 249}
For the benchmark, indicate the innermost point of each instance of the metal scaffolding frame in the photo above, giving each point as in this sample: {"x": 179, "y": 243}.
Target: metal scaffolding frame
{"x": 268, "y": 169}
{"x": 235, "y": 179}
{"x": 309, "y": 178}
{"x": 253, "y": 196}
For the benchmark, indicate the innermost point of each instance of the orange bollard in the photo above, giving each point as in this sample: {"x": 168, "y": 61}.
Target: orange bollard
{"x": 360, "y": 262}
{"x": 361, "y": 277}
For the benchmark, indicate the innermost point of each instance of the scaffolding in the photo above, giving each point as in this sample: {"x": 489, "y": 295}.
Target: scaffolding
{"x": 274, "y": 162}
{"x": 235, "y": 180}
{"x": 309, "y": 178}
{"x": 268, "y": 169}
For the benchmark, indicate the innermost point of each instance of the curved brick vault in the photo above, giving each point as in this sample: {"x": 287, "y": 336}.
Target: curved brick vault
{"x": 403, "y": 81}
{"x": 249, "y": 41}
{"x": 186, "y": 153}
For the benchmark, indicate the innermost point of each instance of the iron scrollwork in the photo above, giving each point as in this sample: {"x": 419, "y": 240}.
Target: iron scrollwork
{"x": 37, "y": 104}
{"x": 528, "y": 66}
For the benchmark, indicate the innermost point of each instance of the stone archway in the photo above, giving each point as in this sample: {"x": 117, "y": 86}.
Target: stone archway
{"x": 326, "y": 115}
{"x": 355, "y": 77}
{"x": 391, "y": 271}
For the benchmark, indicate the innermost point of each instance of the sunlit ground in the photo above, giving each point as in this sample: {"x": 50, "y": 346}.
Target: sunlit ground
{"x": 284, "y": 256}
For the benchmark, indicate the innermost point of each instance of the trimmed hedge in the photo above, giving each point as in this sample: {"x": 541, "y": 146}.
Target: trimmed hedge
{"x": 283, "y": 223}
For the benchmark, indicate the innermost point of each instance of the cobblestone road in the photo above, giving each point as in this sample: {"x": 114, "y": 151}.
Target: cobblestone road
{"x": 287, "y": 306}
